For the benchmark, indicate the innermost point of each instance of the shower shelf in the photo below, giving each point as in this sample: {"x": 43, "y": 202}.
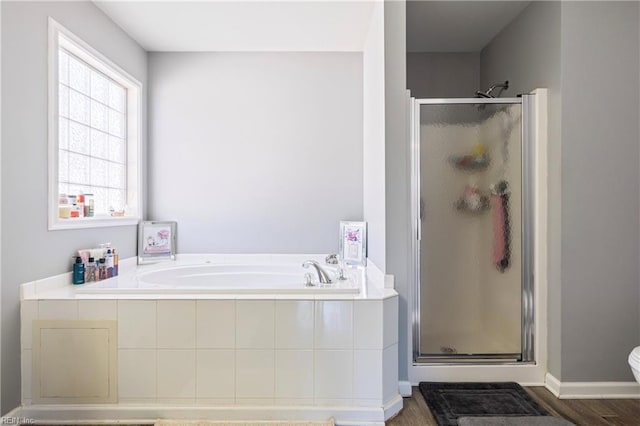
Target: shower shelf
{"x": 462, "y": 206}
{"x": 470, "y": 162}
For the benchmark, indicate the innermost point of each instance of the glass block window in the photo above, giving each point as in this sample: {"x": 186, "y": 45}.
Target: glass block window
{"x": 95, "y": 136}
{"x": 92, "y": 124}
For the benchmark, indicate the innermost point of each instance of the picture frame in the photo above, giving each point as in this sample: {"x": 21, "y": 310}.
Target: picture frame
{"x": 353, "y": 243}
{"x": 156, "y": 241}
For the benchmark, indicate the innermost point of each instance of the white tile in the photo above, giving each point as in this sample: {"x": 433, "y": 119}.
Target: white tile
{"x": 293, "y": 401}
{"x": 333, "y": 325}
{"x": 390, "y": 372}
{"x": 28, "y": 290}
{"x": 391, "y": 316}
{"x": 136, "y": 401}
{"x": 58, "y": 310}
{"x": 367, "y": 324}
{"x": 136, "y": 373}
{"x": 294, "y": 374}
{"x": 215, "y": 401}
{"x": 28, "y": 313}
{"x": 216, "y": 324}
{"x": 255, "y": 324}
{"x": 255, "y": 401}
{"x": 136, "y": 324}
{"x": 176, "y": 324}
{"x": 294, "y": 324}
{"x": 97, "y": 309}
{"x": 215, "y": 373}
{"x": 175, "y": 401}
{"x": 176, "y": 373}
{"x": 26, "y": 374}
{"x": 254, "y": 374}
{"x": 367, "y": 374}
{"x": 333, "y": 372}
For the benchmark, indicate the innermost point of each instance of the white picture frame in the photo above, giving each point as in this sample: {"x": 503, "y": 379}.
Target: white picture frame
{"x": 156, "y": 241}
{"x": 353, "y": 243}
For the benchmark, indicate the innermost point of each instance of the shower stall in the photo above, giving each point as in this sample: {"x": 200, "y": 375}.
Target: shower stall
{"x": 472, "y": 166}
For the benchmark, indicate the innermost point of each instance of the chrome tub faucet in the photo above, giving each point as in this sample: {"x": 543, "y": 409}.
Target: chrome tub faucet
{"x": 323, "y": 276}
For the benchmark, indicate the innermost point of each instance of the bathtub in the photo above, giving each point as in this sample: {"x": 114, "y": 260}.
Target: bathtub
{"x": 216, "y": 278}
{"x": 220, "y": 336}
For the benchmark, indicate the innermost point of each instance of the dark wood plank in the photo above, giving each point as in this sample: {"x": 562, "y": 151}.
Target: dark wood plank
{"x": 582, "y": 412}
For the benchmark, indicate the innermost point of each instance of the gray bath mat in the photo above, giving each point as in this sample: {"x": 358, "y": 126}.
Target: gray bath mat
{"x": 514, "y": 421}
{"x": 450, "y": 401}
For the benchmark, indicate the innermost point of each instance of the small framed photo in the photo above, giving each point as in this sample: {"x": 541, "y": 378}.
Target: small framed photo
{"x": 156, "y": 241}
{"x": 353, "y": 243}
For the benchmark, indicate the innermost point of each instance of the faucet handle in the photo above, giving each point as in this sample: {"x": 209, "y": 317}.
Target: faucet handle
{"x": 308, "y": 280}
{"x": 331, "y": 259}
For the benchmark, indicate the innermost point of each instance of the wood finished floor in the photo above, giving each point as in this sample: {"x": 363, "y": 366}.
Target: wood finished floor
{"x": 582, "y": 412}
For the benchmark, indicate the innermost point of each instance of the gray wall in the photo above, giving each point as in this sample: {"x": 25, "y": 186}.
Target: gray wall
{"x": 256, "y": 152}
{"x": 29, "y": 250}
{"x": 527, "y": 53}
{"x": 600, "y": 175}
{"x": 587, "y": 54}
{"x": 397, "y": 170}
{"x": 443, "y": 75}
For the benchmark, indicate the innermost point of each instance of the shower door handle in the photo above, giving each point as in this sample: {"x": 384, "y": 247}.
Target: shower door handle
{"x": 420, "y": 218}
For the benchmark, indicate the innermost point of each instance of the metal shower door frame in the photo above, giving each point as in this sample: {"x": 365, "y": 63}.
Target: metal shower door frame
{"x": 527, "y": 309}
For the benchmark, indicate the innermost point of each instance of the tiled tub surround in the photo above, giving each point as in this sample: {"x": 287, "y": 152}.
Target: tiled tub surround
{"x": 232, "y": 356}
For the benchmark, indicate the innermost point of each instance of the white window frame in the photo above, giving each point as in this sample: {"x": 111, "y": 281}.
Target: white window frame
{"x": 59, "y": 36}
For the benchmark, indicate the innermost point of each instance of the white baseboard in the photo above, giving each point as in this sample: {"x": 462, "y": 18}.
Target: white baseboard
{"x": 592, "y": 390}
{"x": 73, "y": 414}
{"x": 404, "y": 386}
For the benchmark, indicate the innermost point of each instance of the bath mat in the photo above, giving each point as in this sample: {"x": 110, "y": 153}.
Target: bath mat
{"x": 450, "y": 401}
{"x": 514, "y": 421}
{"x": 163, "y": 422}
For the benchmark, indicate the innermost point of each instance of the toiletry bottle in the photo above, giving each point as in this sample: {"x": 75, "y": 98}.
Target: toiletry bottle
{"x": 109, "y": 263}
{"x": 90, "y": 271}
{"x": 78, "y": 271}
{"x": 96, "y": 270}
{"x": 115, "y": 263}
{"x": 102, "y": 269}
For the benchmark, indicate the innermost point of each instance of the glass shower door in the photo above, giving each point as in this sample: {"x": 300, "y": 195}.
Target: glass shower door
{"x": 470, "y": 217}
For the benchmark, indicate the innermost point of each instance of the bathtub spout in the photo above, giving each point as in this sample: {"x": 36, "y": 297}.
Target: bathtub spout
{"x": 323, "y": 276}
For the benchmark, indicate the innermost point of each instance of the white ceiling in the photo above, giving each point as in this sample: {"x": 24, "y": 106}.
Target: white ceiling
{"x": 457, "y": 26}
{"x": 243, "y": 25}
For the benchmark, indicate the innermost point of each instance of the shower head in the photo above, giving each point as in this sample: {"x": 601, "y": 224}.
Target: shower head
{"x": 487, "y": 94}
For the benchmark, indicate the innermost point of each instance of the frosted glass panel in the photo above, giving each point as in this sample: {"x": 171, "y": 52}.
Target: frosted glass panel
{"x": 116, "y": 123}
{"x": 470, "y": 251}
{"x": 63, "y": 166}
{"x": 116, "y": 199}
{"x": 99, "y": 116}
{"x": 63, "y": 67}
{"x": 63, "y": 133}
{"x": 99, "y": 144}
{"x": 78, "y": 168}
{"x": 116, "y": 97}
{"x": 63, "y": 101}
{"x": 116, "y": 175}
{"x": 116, "y": 149}
{"x": 99, "y": 88}
{"x": 79, "y": 107}
{"x": 78, "y": 138}
{"x": 78, "y": 76}
{"x": 98, "y": 172}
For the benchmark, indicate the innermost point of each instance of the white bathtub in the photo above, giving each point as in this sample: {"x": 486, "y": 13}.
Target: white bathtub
{"x": 225, "y": 279}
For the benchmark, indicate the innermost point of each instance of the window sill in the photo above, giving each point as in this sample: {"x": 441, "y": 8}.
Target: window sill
{"x": 94, "y": 222}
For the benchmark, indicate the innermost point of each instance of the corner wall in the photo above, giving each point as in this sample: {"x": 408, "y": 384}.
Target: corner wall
{"x": 600, "y": 187}
{"x": 397, "y": 170}
{"x": 29, "y": 250}
{"x": 373, "y": 121}
{"x": 256, "y": 152}
{"x": 443, "y": 75}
